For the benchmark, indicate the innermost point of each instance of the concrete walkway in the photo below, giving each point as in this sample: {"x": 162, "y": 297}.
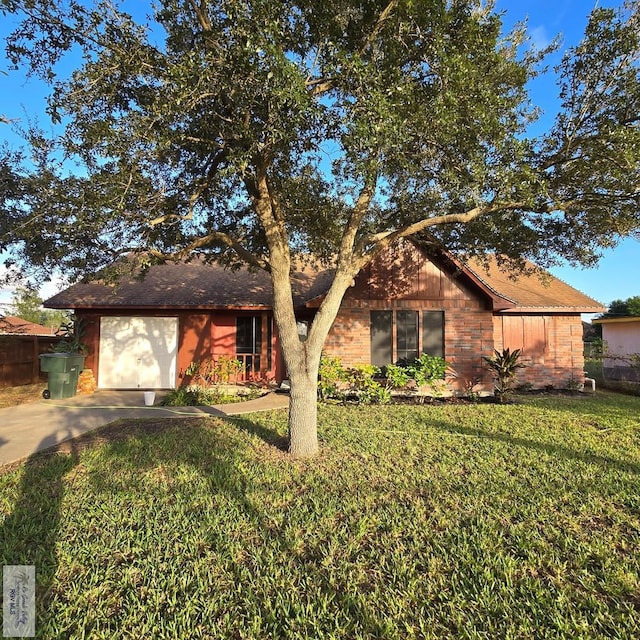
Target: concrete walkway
{"x": 33, "y": 427}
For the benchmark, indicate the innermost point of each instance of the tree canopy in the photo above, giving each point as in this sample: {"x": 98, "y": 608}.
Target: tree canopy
{"x": 416, "y": 111}
{"x": 623, "y": 308}
{"x": 26, "y": 303}
{"x": 251, "y": 130}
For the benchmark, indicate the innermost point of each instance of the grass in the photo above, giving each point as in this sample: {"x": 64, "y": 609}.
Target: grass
{"x": 12, "y": 396}
{"x": 442, "y": 521}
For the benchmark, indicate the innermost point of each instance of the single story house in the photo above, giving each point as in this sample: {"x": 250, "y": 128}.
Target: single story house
{"x": 622, "y": 355}
{"x": 144, "y": 333}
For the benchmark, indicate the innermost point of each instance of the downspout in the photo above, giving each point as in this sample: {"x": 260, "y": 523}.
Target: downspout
{"x": 591, "y": 381}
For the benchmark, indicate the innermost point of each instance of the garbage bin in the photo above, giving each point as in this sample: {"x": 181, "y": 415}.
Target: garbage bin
{"x": 63, "y": 370}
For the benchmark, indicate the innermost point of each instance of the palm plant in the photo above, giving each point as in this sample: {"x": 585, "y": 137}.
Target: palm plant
{"x": 504, "y": 367}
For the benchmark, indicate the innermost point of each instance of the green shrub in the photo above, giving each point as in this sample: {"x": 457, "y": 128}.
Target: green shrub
{"x": 425, "y": 370}
{"x": 504, "y": 368}
{"x": 363, "y": 387}
{"x": 181, "y": 397}
{"x": 397, "y": 376}
{"x": 357, "y": 382}
{"x": 331, "y": 377}
{"x": 195, "y": 396}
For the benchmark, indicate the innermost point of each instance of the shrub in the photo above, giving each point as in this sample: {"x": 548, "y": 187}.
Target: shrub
{"x": 209, "y": 372}
{"x": 195, "y": 396}
{"x": 364, "y": 388}
{"x": 397, "y": 376}
{"x": 181, "y": 397}
{"x": 504, "y": 367}
{"x": 425, "y": 370}
{"x": 356, "y": 382}
{"x": 331, "y": 377}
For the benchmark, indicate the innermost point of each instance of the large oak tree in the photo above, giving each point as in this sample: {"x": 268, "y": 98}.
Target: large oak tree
{"x": 251, "y": 131}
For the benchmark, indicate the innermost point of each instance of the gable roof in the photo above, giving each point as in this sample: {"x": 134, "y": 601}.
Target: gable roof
{"x": 199, "y": 285}
{"x": 14, "y": 325}
{"x": 532, "y": 291}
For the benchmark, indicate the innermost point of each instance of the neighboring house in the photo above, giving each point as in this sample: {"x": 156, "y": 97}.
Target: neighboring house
{"x": 12, "y": 325}
{"x": 622, "y": 339}
{"x": 144, "y": 333}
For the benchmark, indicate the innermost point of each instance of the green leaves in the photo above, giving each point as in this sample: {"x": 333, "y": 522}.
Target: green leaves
{"x": 622, "y": 308}
{"x": 591, "y": 155}
{"x": 504, "y": 368}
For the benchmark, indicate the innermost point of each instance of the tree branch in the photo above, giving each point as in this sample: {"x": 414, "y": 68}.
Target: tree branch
{"x": 322, "y": 85}
{"x": 382, "y": 18}
{"x": 346, "y": 251}
{"x": 218, "y": 237}
{"x": 364, "y": 252}
{"x": 201, "y": 14}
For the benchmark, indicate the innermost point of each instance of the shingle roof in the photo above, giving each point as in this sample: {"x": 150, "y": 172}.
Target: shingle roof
{"x": 15, "y": 325}
{"x": 191, "y": 285}
{"x": 533, "y": 291}
{"x": 209, "y": 286}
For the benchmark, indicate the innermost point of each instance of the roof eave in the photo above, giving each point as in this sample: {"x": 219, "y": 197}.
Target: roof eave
{"x": 553, "y": 309}
{"x": 153, "y": 307}
{"x": 616, "y": 320}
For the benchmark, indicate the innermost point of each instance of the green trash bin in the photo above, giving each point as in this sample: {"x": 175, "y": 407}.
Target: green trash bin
{"x": 64, "y": 370}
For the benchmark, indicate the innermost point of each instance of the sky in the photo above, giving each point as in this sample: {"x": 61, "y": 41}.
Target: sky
{"x": 617, "y": 276}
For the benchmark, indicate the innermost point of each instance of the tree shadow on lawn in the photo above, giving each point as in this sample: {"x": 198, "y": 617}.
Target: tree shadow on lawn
{"x": 31, "y": 531}
{"x": 552, "y": 449}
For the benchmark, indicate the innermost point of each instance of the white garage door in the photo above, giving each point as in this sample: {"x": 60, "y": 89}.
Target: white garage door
{"x": 138, "y": 353}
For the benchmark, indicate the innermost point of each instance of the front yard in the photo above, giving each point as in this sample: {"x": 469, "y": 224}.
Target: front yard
{"x": 444, "y": 521}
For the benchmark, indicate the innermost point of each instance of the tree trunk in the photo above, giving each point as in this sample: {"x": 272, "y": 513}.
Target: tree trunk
{"x": 303, "y": 416}
{"x": 302, "y": 359}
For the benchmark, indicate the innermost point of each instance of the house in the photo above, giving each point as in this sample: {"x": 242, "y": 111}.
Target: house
{"x": 622, "y": 355}
{"x": 12, "y": 325}
{"x": 144, "y": 333}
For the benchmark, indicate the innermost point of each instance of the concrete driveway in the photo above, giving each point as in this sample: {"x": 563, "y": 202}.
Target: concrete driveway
{"x": 33, "y": 427}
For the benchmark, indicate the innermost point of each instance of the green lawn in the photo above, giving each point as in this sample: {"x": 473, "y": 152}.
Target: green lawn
{"x": 445, "y": 521}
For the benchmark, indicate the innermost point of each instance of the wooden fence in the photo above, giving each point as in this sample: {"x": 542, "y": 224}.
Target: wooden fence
{"x": 19, "y": 358}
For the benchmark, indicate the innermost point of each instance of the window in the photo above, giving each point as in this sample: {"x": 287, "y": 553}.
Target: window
{"x": 433, "y": 333}
{"x": 249, "y": 341}
{"x": 415, "y": 333}
{"x": 406, "y": 335}
{"x": 381, "y": 329}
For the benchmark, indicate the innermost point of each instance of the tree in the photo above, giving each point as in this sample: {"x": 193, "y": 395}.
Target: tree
{"x": 622, "y": 308}
{"x": 27, "y": 304}
{"x": 259, "y": 131}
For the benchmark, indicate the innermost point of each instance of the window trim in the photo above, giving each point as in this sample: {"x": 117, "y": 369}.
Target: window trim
{"x": 386, "y": 321}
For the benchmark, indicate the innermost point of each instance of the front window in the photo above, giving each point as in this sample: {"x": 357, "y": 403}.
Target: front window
{"x": 415, "y": 333}
{"x": 249, "y": 342}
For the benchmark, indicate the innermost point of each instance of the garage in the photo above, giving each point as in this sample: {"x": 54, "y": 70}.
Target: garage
{"x": 137, "y": 352}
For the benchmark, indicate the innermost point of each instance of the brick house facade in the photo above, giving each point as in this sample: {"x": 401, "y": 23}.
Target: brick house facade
{"x": 476, "y": 318}
{"x": 409, "y": 300}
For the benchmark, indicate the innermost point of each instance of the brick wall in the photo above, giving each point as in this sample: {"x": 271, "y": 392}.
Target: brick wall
{"x": 552, "y": 357}
{"x": 551, "y": 345}
{"x": 468, "y": 334}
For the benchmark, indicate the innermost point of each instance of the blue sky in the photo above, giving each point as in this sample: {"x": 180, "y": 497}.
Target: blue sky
{"x": 617, "y": 275}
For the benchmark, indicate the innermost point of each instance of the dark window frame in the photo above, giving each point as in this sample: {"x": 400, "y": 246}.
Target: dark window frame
{"x": 405, "y": 333}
